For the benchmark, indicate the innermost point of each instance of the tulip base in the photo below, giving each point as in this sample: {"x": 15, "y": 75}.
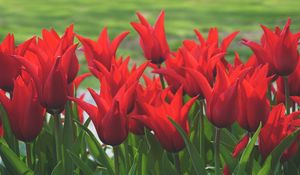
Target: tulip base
{"x": 287, "y": 94}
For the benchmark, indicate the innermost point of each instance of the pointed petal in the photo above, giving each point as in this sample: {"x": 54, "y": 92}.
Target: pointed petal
{"x": 116, "y": 42}
{"x": 240, "y": 146}
{"x": 90, "y": 109}
{"x": 226, "y": 42}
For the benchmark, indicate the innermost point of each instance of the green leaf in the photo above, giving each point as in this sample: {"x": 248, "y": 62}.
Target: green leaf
{"x": 226, "y": 155}
{"x": 58, "y": 169}
{"x": 137, "y": 160}
{"x": 195, "y": 156}
{"x": 82, "y": 165}
{"x": 96, "y": 149}
{"x": 228, "y": 139}
{"x": 241, "y": 168}
{"x": 68, "y": 138}
{"x": 8, "y": 135}
{"x": 13, "y": 160}
{"x": 167, "y": 167}
{"x": 274, "y": 157}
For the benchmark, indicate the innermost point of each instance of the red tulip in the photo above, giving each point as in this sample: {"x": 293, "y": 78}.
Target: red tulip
{"x": 153, "y": 39}
{"x": 51, "y": 46}
{"x": 52, "y": 70}
{"x": 25, "y": 113}
{"x": 223, "y": 105}
{"x": 277, "y": 127}
{"x": 118, "y": 75}
{"x": 156, "y": 119}
{"x": 102, "y": 50}
{"x": 9, "y": 68}
{"x": 115, "y": 102}
{"x": 177, "y": 70}
{"x": 151, "y": 94}
{"x": 254, "y": 102}
{"x": 279, "y": 49}
{"x": 110, "y": 115}
{"x": 209, "y": 48}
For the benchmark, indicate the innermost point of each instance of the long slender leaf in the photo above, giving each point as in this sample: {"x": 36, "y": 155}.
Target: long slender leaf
{"x": 68, "y": 139}
{"x": 58, "y": 169}
{"x": 96, "y": 148}
{"x": 13, "y": 160}
{"x": 8, "y": 135}
{"x": 240, "y": 169}
{"x": 84, "y": 168}
{"x": 195, "y": 156}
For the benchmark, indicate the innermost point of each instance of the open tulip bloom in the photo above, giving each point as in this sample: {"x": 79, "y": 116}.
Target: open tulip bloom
{"x": 186, "y": 110}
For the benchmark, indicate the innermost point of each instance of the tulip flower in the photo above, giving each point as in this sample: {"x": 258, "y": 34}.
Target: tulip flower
{"x": 150, "y": 94}
{"x": 209, "y": 48}
{"x": 176, "y": 71}
{"x": 51, "y": 47}
{"x": 9, "y": 67}
{"x": 115, "y": 102}
{"x": 279, "y": 49}
{"x": 223, "y": 106}
{"x": 277, "y": 127}
{"x": 52, "y": 73}
{"x": 110, "y": 115}
{"x": 254, "y": 102}
{"x": 152, "y": 39}
{"x": 25, "y": 113}
{"x": 156, "y": 119}
{"x": 118, "y": 75}
{"x": 102, "y": 50}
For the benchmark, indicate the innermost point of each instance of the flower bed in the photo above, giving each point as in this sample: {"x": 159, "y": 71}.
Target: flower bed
{"x": 196, "y": 113}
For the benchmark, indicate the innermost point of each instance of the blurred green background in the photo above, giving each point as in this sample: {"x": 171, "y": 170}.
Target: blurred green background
{"x": 26, "y": 18}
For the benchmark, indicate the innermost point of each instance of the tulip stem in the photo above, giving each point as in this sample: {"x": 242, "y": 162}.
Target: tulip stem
{"x": 161, "y": 77}
{"x": 56, "y": 118}
{"x": 217, "y": 151}
{"x": 28, "y": 155}
{"x": 177, "y": 163}
{"x": 116, "y": 159}
{"x": 202, "y": 136}
{"x": 287, "y": 94}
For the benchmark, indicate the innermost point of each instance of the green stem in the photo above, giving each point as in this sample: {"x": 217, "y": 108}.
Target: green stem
{"x": 28, "y": 155}
{"x": 57, "y": 136}
{"x": 287, "y": 94}
{"x": 126, "y": 149}
{"x": 217, "y": 151}
{"x": 161, "y": 77}
{"x": 177, "y": 163}
{"x": 202, "y": 136}
{"x": 116, "y": 159}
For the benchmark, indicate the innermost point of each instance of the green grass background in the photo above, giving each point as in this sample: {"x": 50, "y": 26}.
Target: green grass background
{"x": 25, "y": 18}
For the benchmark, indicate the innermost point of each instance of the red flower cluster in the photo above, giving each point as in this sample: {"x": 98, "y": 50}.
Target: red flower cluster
{"x": 40, "y": 74}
